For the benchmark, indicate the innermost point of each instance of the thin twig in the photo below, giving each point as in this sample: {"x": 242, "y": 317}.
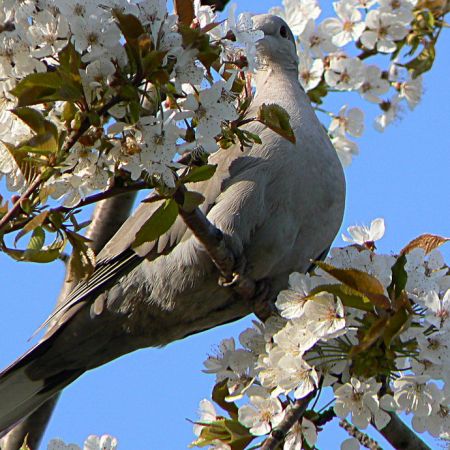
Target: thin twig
{"x": 327, "y": 416}
{"x": 17, "y": 205}
{"x": 364, "y": 439}
{"x": 86, "y": 123}
{"x": 113, "y": 192}
{"x": 290, "y": 419}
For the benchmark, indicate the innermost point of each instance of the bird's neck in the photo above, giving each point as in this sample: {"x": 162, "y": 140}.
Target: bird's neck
{"x": 275, "y": 84}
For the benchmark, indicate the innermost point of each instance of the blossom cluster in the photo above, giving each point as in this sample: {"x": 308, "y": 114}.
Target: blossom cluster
{"x": 155, "y": 93}
{"x": 112, "y": 97}
{"x": 334, "y": 56}
{"x": 344, "y": 331}
{"x": 105, "y": 442}
{"x": 125, "y": 58}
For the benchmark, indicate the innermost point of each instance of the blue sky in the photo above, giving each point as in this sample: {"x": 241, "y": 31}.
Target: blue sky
{"x": 145, "y": 398}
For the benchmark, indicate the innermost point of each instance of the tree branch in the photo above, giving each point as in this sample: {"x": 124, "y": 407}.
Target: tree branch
{"x": 290, "y": 419}
{"x": 213, "y": 241}
{"x": 400, "y": 436}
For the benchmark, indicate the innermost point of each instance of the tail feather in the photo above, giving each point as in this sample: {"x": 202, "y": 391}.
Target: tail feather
{"x": 21, "y": 395}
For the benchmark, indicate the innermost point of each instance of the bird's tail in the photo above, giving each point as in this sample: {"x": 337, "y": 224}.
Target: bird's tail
{"x": 23, "y": 387}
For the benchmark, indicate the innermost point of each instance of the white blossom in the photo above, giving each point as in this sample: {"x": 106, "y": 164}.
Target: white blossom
{"x": 435, "y": 347}
{"x": 350, "y": 444}
{"x": 362, "y": 234}
{"x": 344, "y": 73}
{"x": 315, "y": 40}
{"x": 48, "y": 33}
{"x": 412, "y": 90}
{"x": 310, "y": 72}
{"x": 208, "y": 414}
{"x": 299, "y": 432}
{"x": 373, "y": 85}
{"x": 438, "y": 423}
{"x": 212, "y": 106}
{"x": 416, "y": 394}
{"x": 349, "y": 121}
{"x": 401, "y": 9}
{"x": 59, "y": 444}
{"x": 296, "y": 375}
{"x": 220, "y": 363}
{"x": 261, "y": 415}
{"x": 438, "y": 313}
{"x": 94, "y": 38}
{"x": 391, "y": 112}
{"x": 291, "y": 304}
{"x": 297, "y": 13}
{"x": 348, "y": 25}
{"x": 324, "y": 315}
{"x": 295, "y": 338}
{"x": 345, "y": 149}
{"x": 360, "y": 399}
{"x": 104, "y": 442}
{"x": 383, "y": 30}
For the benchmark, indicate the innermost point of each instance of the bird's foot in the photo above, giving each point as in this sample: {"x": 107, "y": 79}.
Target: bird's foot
{"x": 239, "y": 282}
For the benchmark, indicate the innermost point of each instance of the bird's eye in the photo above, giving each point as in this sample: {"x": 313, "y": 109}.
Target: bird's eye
{"x": 283, "y": 32}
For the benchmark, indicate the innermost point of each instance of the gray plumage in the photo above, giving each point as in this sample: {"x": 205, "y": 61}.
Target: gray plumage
{"x": 279, "y": 204}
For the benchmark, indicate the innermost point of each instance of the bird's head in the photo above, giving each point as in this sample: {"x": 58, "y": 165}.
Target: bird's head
{"x": 278, "y": 44}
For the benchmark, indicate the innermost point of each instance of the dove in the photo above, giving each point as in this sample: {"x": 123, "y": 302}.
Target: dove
{"x": 279, "y": 205}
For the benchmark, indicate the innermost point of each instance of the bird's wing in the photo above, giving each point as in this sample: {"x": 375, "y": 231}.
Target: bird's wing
{"x": 118, "y": 258}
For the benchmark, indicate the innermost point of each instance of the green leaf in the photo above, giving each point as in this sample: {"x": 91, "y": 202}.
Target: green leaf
{"x": 316, "y": 94}
{"x": 36, "y": 221}
{"x": 29, "y": 170}
{"x": 423, "y": 62}
{"x": 395, "y": 325}
{"x": 131, "y": 28}
{"x": 360, "y": 281}
{"x": 129, "y": 25}
{"x": 349, "y": 297}
{"x": 370, "y": 336}
{"x": 161, "y": 220}
{"x": 228, "y": 431}
{"x": 44, "y": 143}
{"x": 44, "y": 87}
{"x": 252, "y": 137}
{"x": 44, "y": 255}
{"x": 24, "y": 445}
{"x": 399, "y": 277}
{"x": 68, "y": 112}
{"x": 277, "y": 119}
{"x": 199, "y": 173}
{"x": 219, "y": 394}
{"x": 37, "y": 239}
{"x": 70, "y": 61}
{"x": 191, "y": 200}
{"x": 152, "y": 61}
{"x": 41, "y": 256}
{"x": 82, "y": 260}
{"x": 32, "y": 117}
